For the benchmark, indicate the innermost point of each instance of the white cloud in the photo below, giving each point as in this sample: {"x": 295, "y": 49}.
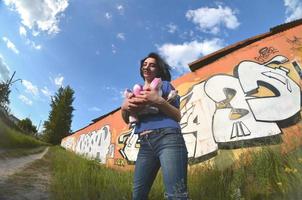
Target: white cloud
{"x": 121, "y": 36}
{"x": 10, "y": 45}
{"x": 120, "y": 9}
{"x": 108, "y": 15}
{"x": 33, "y": 44}
{"x": 30, "y": 88}
{"x": 189, "y": 35}
{"x": 293, "y": 9}
{"x": 212, "y": 19}
{"x": 179, "y": 55}
{"x": 113, "y": 49}
{"x": 4, "y": 70}
{"x": 25, "y": 100}
{"x": 171, "y": 28}
{"x": 59, "y": 80}
{"x": 39, "y": 15}
{"x": 95, "y": 109}
{"x": 22, "y": 31}
{"x": 38, "y": 47}
{"x": 46, "y": 91}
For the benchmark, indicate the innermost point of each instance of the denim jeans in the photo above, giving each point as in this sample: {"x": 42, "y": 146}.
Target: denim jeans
{"x": 163, "y": 148}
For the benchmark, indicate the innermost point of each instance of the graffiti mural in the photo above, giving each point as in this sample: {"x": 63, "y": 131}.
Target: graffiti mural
{"x": 233, "y": 119}
{"x": 69, "y": 143}
{"x": 131, "y": 145}
{"x": 197, "y": 112}
{"x": 222, "y": 110}
{"x": 297, "y": 68}
{"x": 265, "y": 52}
{"x": 96, "y": 144}
{"x": 120, "y": 162}
{"x": 284, "y": 88}
{"x": 295, "y": 42}
{"x": 245, "y": 95}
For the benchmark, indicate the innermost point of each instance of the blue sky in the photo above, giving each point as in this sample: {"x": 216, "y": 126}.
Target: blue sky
{"x": 95, "y": 46}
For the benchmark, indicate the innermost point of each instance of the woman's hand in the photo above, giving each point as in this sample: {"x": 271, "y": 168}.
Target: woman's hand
{"x": 151, "y": 97}
{"x": 132, "y": 104}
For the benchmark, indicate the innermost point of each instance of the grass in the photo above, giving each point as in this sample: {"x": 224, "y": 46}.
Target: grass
{"x": 77, "y": 178}
{"x": 265, "y": 174}
{"x": 11, "y": 139}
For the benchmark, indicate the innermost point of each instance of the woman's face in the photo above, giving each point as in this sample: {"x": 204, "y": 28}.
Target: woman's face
{"x": 149, "y": 69}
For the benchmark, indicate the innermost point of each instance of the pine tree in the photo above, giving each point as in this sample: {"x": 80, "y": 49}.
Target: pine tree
{"x": 60, "y": 116}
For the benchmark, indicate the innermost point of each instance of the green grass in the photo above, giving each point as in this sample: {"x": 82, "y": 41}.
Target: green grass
{"x": 10, "y": 139}
{"x": 265, "y": 174}
{"x": 77, "y": 178}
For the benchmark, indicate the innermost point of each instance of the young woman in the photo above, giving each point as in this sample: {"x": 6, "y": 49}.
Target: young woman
{"x": 161, "y": 142}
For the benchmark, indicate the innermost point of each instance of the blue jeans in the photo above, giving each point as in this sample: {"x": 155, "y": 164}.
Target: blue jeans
{"x": 163, "y": 148}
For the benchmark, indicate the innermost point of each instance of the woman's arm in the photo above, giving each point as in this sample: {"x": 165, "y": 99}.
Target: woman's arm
{"x": 171, "y": 111}
{"x": 152, "y": 97}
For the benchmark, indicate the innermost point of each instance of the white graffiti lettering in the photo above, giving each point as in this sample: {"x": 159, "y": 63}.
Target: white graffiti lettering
{"x": 130, "y": 141}
{"x": 95, "y": 144}
{"x": 68, "y": 143}
{"x": 196, "y": 122}
{"x": 233, "y": 119}
{"x": 285, "y": 104}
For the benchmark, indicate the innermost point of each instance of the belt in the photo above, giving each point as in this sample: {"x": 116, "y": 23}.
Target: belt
{"x": 145, "y": 132}
{"x": 155, "y": 131}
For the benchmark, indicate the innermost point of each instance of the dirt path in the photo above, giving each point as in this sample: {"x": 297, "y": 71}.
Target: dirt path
{"x": 11, "y": 166}
{"x": 25, "y": 178}
{"x": 2, "y": 150}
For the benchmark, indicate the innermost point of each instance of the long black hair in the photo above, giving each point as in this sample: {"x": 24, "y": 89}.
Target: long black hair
{"x": 163, "y": 67}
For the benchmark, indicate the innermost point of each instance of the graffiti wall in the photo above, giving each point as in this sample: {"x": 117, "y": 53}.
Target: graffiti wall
{"x": 249, "y": 97}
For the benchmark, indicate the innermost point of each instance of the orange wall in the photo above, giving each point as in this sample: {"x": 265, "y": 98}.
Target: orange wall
{"x": 250, "y": 95}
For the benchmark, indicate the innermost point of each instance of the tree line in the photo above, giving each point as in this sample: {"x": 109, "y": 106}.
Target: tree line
{"x": 58, "y": 124}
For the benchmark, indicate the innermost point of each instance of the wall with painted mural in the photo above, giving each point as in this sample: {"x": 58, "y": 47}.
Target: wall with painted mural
{"x": 248, "y": 94}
